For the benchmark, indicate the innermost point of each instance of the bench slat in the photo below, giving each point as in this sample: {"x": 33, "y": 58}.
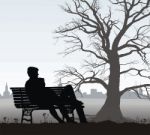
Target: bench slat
{"x": 19, "y": 92}
{"x": 27, "y": 106}
{"x": 22, "y": 102}
{"x": 21, "y": 98}
{"x": 37, "y": 107}
{"x": 15, "y": 96}
{"x": 24, "y": 92}
{"x": 50, "y": 88}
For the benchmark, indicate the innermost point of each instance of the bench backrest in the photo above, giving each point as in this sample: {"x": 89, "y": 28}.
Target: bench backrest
{"x": 21, "y": 99}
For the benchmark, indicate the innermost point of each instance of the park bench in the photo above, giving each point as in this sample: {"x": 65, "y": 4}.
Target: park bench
{"x": 21, "y": 101}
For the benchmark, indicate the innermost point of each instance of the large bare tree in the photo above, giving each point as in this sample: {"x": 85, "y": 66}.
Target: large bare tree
{"x": 114, "y": 41}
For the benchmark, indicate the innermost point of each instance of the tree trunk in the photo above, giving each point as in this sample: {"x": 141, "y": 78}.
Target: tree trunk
{"x": 111, "y": 109}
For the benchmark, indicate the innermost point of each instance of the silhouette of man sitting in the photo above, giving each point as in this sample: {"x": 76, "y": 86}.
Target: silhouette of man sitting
{"x": 70, "y": 98}
{"x": 40, "y": 95}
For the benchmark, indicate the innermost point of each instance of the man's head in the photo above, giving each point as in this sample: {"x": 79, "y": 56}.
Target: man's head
{"x": 32, "y": 72}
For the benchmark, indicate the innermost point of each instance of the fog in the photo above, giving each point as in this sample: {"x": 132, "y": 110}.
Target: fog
{"x": 135, "y": 109}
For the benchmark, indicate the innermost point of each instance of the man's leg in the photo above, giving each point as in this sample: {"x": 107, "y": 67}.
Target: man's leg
{"x": 50, "y": 99}
{"x": 55, "y": 100}
{"x": 80, "y": 112}
{"x": 54, "y": 114}
{"x": 64, "y": 113}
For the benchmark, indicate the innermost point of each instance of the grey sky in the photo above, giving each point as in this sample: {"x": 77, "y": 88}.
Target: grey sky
{"x": 27, "y": 39}
{"x": 26, "y": 27}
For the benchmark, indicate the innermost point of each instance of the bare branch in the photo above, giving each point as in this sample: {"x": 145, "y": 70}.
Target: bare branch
{"x": 139, "y": 95}
{"x": 133, "y": 13}
{"x": 105, "y": 47}
{"x": 79, "y": 46}
{"x": 90, "y": 22}
{"x": 139, "y": 72}
{"x": 139, "y": 36}
{"x": 94, "y": 65}
{"x": 80, "y": 78}
{"x": 138, "y": 50}
{"x": 133, "y": 88}
{"x": 129, "y": 63}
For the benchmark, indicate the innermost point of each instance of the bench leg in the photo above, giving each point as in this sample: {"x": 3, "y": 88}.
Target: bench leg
{"x": 26, "y": 115}
{"x": 71, "y": 112}
{"x": 72, "y": 116}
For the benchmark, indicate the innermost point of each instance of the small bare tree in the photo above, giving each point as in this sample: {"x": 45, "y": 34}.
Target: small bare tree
{"x": 109, "y": 40}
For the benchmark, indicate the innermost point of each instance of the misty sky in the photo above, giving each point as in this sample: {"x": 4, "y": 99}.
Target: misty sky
{"x": 27, "y": 39}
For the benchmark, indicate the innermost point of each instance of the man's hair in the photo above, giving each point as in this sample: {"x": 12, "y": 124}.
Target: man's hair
{"x": 32, "y": 70}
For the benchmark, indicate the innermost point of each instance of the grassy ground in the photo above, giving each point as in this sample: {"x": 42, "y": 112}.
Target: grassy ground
{"x": 104, "y": 128}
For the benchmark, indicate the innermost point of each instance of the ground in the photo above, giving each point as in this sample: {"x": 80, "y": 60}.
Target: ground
{"x": 134, "y": 109}
{"x": 103, "y": 128}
